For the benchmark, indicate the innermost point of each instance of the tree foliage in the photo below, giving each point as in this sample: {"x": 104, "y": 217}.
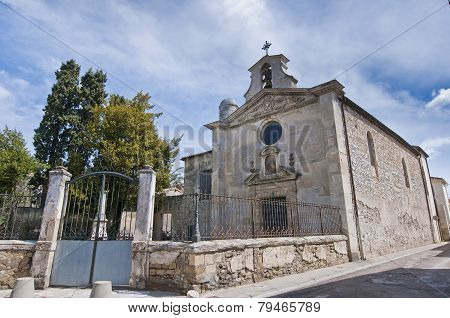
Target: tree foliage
{"x": 92, "y": 94}
{"x": 83, "y": 130}
{"x": 125, "y": 138}
{"x": 52, "y": 138}
{"x": 61, "y": 137}
{"x": 16, "y": 163}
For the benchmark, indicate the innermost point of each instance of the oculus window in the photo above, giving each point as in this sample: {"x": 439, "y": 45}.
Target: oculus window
{"x": 271, "y": 133}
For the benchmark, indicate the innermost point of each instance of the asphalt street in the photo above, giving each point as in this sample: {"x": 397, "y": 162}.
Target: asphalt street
{"x": 425, "y": 274}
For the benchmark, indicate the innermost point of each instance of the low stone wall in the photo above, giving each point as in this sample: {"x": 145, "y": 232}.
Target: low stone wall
{"x": 211, "y": 265}
{"x": 15, "y": 261}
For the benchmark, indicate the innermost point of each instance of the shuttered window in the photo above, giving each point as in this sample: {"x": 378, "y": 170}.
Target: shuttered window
{"x": 205, "y": 181}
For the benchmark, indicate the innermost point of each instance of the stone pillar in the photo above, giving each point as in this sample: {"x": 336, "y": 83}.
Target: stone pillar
{"x": 41, "y": 266}
{"x": 442, "y": 205}
{"x": 429, "y": 195}
{"x": 144, "y": 228}
{"x": 340, "y": 176}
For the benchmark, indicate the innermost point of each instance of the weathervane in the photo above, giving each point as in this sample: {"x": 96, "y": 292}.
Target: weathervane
{"x": 266, "y": 47}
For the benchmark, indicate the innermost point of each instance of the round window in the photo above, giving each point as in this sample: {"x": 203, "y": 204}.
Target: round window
{"x": 271, "y": 133}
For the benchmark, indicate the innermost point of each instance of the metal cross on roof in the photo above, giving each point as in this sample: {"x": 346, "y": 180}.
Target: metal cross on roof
{"x": 266, "y": 47}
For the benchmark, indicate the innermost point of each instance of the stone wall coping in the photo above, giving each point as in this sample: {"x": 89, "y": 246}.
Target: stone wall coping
{"x": 240, "y": 244}
{"x": 17, "y": 245}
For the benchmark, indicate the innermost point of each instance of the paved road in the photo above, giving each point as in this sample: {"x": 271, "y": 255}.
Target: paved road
{"x": 425, "y": 274}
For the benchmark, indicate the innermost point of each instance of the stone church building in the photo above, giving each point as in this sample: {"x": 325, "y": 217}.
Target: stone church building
{"x": 317, "y": 145}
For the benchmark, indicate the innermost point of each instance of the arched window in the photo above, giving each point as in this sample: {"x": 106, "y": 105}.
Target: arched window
{"x": 372, "y": 154}
{"x": 405, "y": 172}
{"x": 266, "y": 75}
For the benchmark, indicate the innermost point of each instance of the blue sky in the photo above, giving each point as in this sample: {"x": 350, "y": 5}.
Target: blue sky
{"x": 190, "y": 55}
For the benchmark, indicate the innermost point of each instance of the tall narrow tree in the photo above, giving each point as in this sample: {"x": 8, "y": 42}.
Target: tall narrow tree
{"x": 92, "y": 94}
{"x": 52, "y": 138}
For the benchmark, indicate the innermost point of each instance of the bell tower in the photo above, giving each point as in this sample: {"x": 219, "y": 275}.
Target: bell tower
{"x": 269, "y": 72}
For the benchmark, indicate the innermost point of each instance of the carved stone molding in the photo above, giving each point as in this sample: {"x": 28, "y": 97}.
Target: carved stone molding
{"x": 269, "y": 104}
{"x": 283, "y": 174}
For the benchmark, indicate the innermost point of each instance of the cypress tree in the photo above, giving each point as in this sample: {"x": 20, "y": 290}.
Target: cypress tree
{"x": 92, "y": 94}
{"x": 52, "y": 137}
{"x": 61, "y": 138}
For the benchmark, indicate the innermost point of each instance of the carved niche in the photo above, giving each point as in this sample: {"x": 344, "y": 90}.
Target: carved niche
{"x": 271, "y": 170}
{"x": 269, "y": 157}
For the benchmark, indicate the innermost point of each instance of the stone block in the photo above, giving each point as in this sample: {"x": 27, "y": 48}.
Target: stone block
{"x": 321, "y": 252}
{"x": 209, "y": 274}
{"x": 210, "y": 259}
{"x": 248, "y": 259}
{"x": 308, "y": 254}
{"x": 340, "y": 247}
{"x": 196, "y": 259}
{"x": 160, "y": 272}
{"x": 163, "y": 257}
{"x": 279, "y": 256}
{"x": 237, "y": 263}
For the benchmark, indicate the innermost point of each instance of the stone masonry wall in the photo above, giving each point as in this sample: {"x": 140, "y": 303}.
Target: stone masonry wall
{"x": 192, "y": 168}
{"x": 15, "y": 261}
{"x": 210, "y": 265}
{"x": 392, "y": 216}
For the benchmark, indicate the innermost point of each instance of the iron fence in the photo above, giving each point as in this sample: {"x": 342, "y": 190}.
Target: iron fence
{"x": 219, "y": 217}
{"x": 20, "y": 216}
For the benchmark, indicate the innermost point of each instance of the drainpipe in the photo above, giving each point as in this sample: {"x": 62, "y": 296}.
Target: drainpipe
{"x": 352, "y": 183}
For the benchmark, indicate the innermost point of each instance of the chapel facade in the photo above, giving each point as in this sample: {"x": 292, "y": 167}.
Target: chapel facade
{"x": 316, "y": 145}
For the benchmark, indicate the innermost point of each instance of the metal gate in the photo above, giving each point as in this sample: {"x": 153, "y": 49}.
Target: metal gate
{"x": 96, "y": 230}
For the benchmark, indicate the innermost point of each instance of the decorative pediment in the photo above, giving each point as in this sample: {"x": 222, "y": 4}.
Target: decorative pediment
{"x": 269, "y": 103}
{"x": 283, "y": 174}
{"x": 269, "y": 150}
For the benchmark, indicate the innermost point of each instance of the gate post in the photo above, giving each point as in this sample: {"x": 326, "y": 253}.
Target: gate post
{"x": 144, "y": 228}
{"x": 42, "y": 263}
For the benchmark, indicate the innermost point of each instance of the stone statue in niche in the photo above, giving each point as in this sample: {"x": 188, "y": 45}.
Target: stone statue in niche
{"x": 271, "y": 164}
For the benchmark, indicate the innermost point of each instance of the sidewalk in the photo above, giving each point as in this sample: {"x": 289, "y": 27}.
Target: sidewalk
{"x": 285, "y": 284}
{"x": 68, "y": 292}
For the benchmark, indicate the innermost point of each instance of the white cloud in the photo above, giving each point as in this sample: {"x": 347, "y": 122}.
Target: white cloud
{"x": 4, "y": 94}
{"x": 433, "y": 145}
{"x": 190, "y": 55}
{"x": 18, "y": 108}
{"x": 440, "y": 99}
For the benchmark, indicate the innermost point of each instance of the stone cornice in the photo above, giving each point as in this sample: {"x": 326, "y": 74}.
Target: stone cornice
{"x": 10, "y": 245}
{"x": 284, "y": 174}
{"x": 240, "y": 244}
{"x": 274, "y": 100}
{"x": 268, "y": 102}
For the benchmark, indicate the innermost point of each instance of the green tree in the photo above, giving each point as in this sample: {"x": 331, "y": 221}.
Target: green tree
{"x": 125, "y": 138}
{"x": 62, "y": 136}
{"x": 54, "y": 134}
{"x": 92, "y": 94}
{"x": 16, "y": 163}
